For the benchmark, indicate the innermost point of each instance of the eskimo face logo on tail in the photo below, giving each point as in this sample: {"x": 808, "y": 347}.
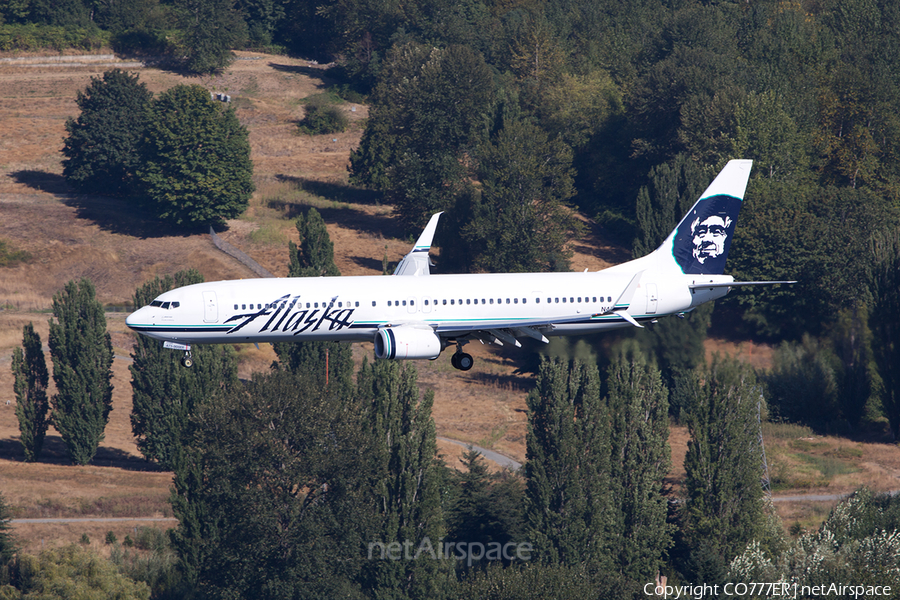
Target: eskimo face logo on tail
{"x": 704, "y": 236}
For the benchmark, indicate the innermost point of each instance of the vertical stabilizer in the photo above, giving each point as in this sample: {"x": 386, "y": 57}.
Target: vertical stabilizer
{"x": 700, "y": 243}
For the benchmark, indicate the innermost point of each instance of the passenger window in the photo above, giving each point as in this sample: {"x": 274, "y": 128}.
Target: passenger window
{"x": 507, "y": 300}
{"x": 468, "y": 301}
{"x": 524, "y": 300}
{"x": 444, "y": 302}
{"x": 452, "y": 302}
{"x": 564, "y": 300}
{"x": 426, "y": 302}
{"x": 412, "y": 303}
{"x": 235, "y": 306}
{"x": 609, "y": 298}
{"x": 243, "y": 307}
{"x": 373, "y": 303}
{"x": 538, "y": 300}
{"x": 515, "y": 300}
{"x": 492, "y": 300}
{"x": 357, "y": 303}
{"x": 389, "y": 302}
{"x": 579, "y": 299}
{"x": 404, "y": 303}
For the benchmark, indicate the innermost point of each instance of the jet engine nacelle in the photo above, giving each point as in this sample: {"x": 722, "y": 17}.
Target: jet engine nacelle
{"x": 407, "y": 343}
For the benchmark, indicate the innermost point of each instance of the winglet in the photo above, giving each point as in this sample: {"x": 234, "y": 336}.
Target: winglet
{"x": 417, "y": 261}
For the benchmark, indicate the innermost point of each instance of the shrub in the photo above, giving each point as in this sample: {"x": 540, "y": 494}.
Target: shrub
{"x": 323, "y": 117}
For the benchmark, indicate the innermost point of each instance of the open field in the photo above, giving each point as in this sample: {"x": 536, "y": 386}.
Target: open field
{"x": 71, "y": 237}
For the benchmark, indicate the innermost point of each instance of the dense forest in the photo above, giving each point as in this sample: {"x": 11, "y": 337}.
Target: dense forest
{"x": 507, "y": 115}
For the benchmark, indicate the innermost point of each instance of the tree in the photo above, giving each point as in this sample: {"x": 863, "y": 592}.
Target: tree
{"x": 277, "y": 503}
{"x": 637, "y": 405}
{"x": 723, "y": 509}
{"x": 82, "y": 355}
{"x": 406, "y": 486}
{"x": 424, "y": 120}
{"x": 165, "y": 394}
{"x": 567, "y": 472}
{"x": 518, "y": 220}
{"x": 885, "y": 324}
{"x": 102, "y": 146}
{"x": 7, "y": 541}
{"x": 671, "y": 191}
{"x": 31, "y": 379}
{"x": 74, "y": 572}
{"x": 314, "y": 257}
{"x": 196, "y": 166}
{"x": 486, "y": 508}
{"x": 209, "y": 30}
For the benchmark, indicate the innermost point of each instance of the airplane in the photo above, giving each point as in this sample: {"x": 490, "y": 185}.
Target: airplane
{"x": 414, "y": 314}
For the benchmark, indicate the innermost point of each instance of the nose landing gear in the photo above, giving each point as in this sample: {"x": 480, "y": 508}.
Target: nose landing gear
{"x": 187, "y": 360}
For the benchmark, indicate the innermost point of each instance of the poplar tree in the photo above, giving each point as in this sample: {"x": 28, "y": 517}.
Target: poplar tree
{"x": 314, "y": 257}
{"x": 671, "y": 191}
{"x": 567, "y": 472}
{"x": 723, "y": 509}
{"x": 637, "y": 404}
{"x": 30, "y": 385}
{"x": 885, "y": 323}
{"x": 166, "y": 394}
{"x": 82, "y": 355}
{"x": 406, "y": 480}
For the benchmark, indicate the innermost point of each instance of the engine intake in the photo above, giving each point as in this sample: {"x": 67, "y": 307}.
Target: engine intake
{"x": 401, "y": 343}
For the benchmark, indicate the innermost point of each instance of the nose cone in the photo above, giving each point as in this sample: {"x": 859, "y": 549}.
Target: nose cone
{"x": 134, "y": 319}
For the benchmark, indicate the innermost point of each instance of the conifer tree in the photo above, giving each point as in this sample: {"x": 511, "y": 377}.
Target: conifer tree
{"x": 314, "y": 257}
{"x": 82, "y": 355}
{"x": 31, "y": 378}
{"x": 724, "y": 508}
{"x": 487, "y": 508}
{"x": 406, "y": 489}
{"x": 165, "y": 394}
{"x": 568, "y": 465}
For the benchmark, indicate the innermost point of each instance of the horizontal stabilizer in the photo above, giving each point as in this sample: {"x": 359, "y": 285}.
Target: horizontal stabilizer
{"x": 707, "y": 286}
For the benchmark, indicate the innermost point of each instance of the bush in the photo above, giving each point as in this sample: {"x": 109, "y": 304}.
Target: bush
{"x": 32, "y": 37}
{"x": 323, "y": 117}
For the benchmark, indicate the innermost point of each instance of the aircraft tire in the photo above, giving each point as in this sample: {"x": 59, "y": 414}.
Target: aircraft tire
{"x": 465, "y": 361}
{"x": 454, "y": 360}
{"x": 187, "y": 361}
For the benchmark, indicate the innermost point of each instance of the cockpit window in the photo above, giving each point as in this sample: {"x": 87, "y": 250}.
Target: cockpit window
{"x": 165, "y": 305}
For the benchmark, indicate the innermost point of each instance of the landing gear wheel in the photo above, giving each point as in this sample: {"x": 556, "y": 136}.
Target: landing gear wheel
{"x": 187, "y": 361}
{"x": 462, "y": 361}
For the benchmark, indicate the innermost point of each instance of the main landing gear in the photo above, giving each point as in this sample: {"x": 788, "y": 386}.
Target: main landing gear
{"x": 460, "y": 360}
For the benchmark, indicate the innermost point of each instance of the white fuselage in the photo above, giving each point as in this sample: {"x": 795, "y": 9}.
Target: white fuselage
{"x": 354, "y": 308}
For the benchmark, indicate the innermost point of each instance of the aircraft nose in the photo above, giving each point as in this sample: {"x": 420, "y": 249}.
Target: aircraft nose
{"x": 133, "y": 319}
